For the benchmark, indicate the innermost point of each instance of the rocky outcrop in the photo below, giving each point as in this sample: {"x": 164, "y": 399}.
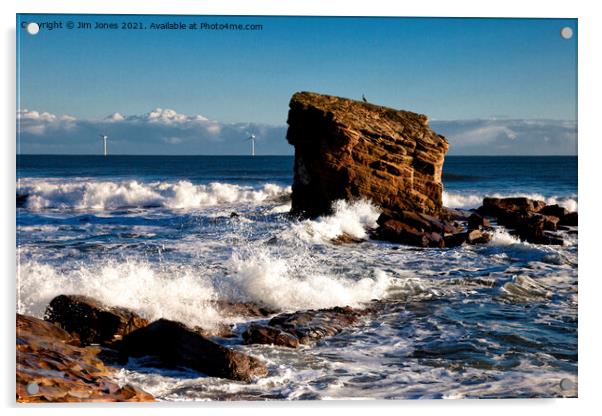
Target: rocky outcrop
{"x": 531, "y": 220}
{"x": 175, "y": 345}
{"x": 90, "y": 320}
{"x": 303, "y": 327}
{"x": 415, "y": 229}
{"x": 346, "y": 149}
{"x": 52, "y": 367}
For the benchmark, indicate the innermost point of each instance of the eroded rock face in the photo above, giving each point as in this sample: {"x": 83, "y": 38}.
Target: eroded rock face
{"x": 93, "y": 322}
{"x": 346, "y": 149}
{"x": 64, "y": 372}
{"x": 176, "y": 345}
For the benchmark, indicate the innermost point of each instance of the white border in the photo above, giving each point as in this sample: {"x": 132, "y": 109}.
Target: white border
{"x": 590, "y": 36}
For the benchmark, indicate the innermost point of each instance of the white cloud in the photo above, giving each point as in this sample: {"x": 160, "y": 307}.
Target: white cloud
{"x": 165, "y": 131}
{"x": 160, "y": 131}
{"x": 115, "y": 117}
{"x": 509, "y": 136}
{"x": 35, "y": 122}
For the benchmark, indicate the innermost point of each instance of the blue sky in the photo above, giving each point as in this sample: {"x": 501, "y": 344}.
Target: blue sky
{"x": 463, "y": 73}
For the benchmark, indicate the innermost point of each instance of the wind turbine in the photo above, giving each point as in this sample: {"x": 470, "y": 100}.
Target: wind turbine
{"x": 104, "y": 138}
{"x": 252, "y": 139}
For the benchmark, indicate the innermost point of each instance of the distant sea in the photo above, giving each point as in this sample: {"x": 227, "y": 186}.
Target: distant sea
{"x": 154, "y": 233}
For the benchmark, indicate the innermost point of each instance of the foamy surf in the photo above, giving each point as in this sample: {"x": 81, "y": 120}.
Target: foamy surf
{"x": 283, "y": 285}
{"x": 111, "y": 195}
{"x": 350, "y": 218}
{"x": 184, "y": 293}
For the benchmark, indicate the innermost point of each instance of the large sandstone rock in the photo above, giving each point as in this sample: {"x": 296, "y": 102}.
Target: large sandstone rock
{"x": 92, "y": 321}
{"x": 176, "y": 345}
{"x": 49, "y": 358}
{"x": 345, "y": 149}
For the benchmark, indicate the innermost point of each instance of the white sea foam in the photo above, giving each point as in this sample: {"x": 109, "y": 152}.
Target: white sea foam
{"x": 260, "y": 277}
{"x": 502, "y": 238}
{"x": 469, "y": 201}
{"x": 174, "y": 294}
{"x": 352, "y": 218}
{"x": 184, "y": 293}
{"x": 105, "y": 195}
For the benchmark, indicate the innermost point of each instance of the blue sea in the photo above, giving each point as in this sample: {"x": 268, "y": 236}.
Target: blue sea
{"x": 155, "y": 234}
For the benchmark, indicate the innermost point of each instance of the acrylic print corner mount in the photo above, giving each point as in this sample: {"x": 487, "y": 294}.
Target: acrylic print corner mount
{"x": 276, "y": 208}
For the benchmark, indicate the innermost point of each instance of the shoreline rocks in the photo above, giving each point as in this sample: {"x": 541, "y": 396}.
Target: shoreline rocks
{"x": 303, "y": 327}
{"x": 346, "y": 149}
{"x": 93, "y": 322}
{"x": 176, "y": 345}
{"x": 172, "y": 343}
{"x": 531, "y": 220}
{"x": 63, "y": 371}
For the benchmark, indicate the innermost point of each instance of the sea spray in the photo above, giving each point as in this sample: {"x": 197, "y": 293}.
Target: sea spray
{"x": 351, "y": 218}
{"x": 174, "y": 293}
{"x": 259, "y": 277}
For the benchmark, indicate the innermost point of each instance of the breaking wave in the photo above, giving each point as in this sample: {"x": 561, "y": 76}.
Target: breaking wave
{"x": 350, "y": 218}
{"x": 110, "y": 195}
{"x": 184, "y": 293}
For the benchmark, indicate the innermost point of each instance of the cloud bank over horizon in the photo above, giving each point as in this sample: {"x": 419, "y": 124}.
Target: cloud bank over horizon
{"x": 167, "y": 132}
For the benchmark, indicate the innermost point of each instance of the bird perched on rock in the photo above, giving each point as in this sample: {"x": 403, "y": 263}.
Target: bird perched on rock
{"x": 364, "y": 98}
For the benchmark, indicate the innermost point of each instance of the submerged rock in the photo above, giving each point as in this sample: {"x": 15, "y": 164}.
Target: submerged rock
{"x": 346, "y": 149}
{"x": 50, "y": 359}
{"x": 176, "y": 345}
{"x": 93, "y": 322}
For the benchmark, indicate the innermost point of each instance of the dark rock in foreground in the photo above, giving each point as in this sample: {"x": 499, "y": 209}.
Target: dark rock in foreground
{"x": 50, "y": 358}
{"x": 93, "y": 322}
{"x": 303, "y": 327}
{"x": 346, "y": 149}
{"x": 175, "y": 345}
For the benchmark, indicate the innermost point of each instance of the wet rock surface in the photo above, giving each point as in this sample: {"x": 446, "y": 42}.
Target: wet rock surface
{"x": 175, "y": 345}
{"x": 346, "y": 149}
{"x": 92, "y": 321}
{"x": 303, "y": 326}
{"x": 50, "y": 361}
{"x": 414, "y": 229}
{"x": 262, "y": 334}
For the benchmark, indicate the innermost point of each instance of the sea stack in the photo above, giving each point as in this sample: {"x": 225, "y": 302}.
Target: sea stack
{"x": 347, "y": 149}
